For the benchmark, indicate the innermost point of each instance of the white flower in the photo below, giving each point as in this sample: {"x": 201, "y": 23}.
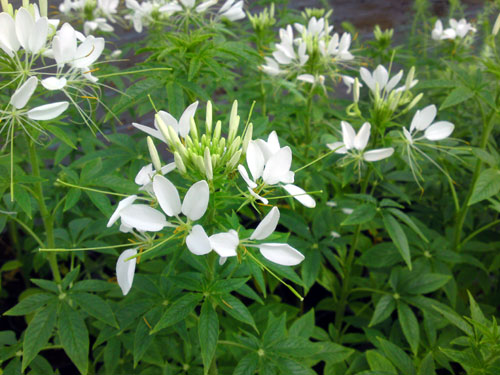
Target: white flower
{"x": 337, "y": 49}
{"x": 144, "y": 177}
{"x": 125, "y": 270}
{"x": 356, "y": 143}
{"x": 108, "y": 7}
{"x": 271, "y": 67}
{"x": 140, "y": 216}
{"x": 142, "y": 13}
{"x": 271, "y": 163}
{"x": 437, "y": 32}
{"x": 279, "y": 253}
{"x": 457, "y": 29}
{"x": 181, "y": 127}
{"x": 225, "y": 244}
{"x": 320, "y": 79}
{"x": 97, "y": 24}
{"x": 349, "y": 82}
{"x": 422, "y": 121}
{"x": 232, "y": 11}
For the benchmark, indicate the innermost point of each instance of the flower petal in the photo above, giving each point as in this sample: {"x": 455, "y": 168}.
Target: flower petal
{"x": 8, "y": 36}
{"x": 361, "y": 139}
{"x": 125, "y": 270}
{"x": 196, "y": 200}
{"x": 143, "y": 218}
{"x": 423, "y": 118}
{"x": 378, "y": 154}
{"x": 367, "y": 78}
{"x": 267, "y": 226}
{"x": 53, "y": 83}
{"x": 185, "y": 120}
{"x": 281, "y": 253}
{"x": 439, "y": 130}
{"x": 300, "y": 194}
{"x": 225, "y": 244}
{"x": 244, "y": 174}
{"x": 348, "y": 134}
{"x": 257, "y": 196}
{"x": 381, "y": 76}
{"x": 64, "y": 44}
{"x": 394, "y": 81}
{"x": 23, "y": 94}
{"x": 167, "y": 195}
{"x": 278, "y": 167}
{"x": 25, "y": 26}
{"x": 152, "y": 132}
{"x": 88, "y": 52}
{"x": 47, "y": 111}
{"x": 255, "y": 160}
{"x": 38, "y": 37}
{"x": 123, "y": 203}
{"x": 198, "y": 242}
{"x": 339, "y": 147}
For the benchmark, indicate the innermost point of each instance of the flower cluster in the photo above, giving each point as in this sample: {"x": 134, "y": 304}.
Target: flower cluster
{"x": 97, "y": 15}
{"x": 312, "y": 54}
{"x": 457, "y": 29}
{"x": 214, "y": 158}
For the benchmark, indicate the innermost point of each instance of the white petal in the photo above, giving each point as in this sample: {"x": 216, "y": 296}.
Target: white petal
{"x": 143, "y": 218}
{"x": 152, "y": 132}
{"x": 196, "y": 200}
{"x": 306, "y": 78}
{"x": 53, "y": 83}
{"x": 185, "y": 120}
{"x": 39, "y": 35}
{"x": 348, "y": 134}
{"x": 47, "y": 111}
{"x": 301, "y": 195}
{"x": 361, "y": 139}
{"x": 197, "y": 241}
{"x": 125, "y": 270}
{"x": 225, "y": 244}
{"x": 23, "y": 94}
{"x": 267, "y": 226}
{"x": 88, "y": 52}
{"x": 8, "y": 36}
{"x": 394, "y": 81}
{"x": 123, "y": 203}
{"x": 168, "y": 168}
{"x": 167, "y": 195}
{"x": 244, "y": 174}
{"x": 439, "y": 130}
{"x": 281, "y": 253}
{"x": 145, "y": 175}
{"x": 381, "y": 76}
{"x": 25, "y": 26}
{"x": 407, "y": 135}
{"x": 378, "y": 154}
{"x": 367, "y": 77}
{"x": 339, "y": 147}
{"x": 255, "y": 160}
{"x": 257, "y": 196}
{"x": 278, "y": 166}
{"x": 423, "y": 118}
{"x": 64, "y": 44}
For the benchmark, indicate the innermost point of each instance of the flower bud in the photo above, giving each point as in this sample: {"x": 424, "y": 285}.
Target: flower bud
{"x": 415, "y": 101}
{"x": 394, "y": 99}
{"x": 179, "y": 163}
{"x": 42, "y": 4}
{"x": 355, "y": 91}
{"x": 234, "y": 160}
{"x": 155, "y": 158}
{"x": 193, "y": 130}
{"x": 207, "y": 162}
{"x": 247, "y": 137}
{"x": 208, "y": 121}
{"x": 7, "y": 8}
{"x": 409, "y": 78}
{"x": 215, "y": 160}
{"x": 496, "y": 26}
{"x": 182, "y": 150}
{"x": 163, "y": 128}
{"x": 234, "y": 122}
{"x": 198, "y": 161}
{"x": 221, "y": 146}
{"x": 172, "y": 134}
{"x": 216, "y": 136}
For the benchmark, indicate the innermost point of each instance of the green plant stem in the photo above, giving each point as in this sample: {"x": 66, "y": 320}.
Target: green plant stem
{"x": 48, "y": 221}
{"x": 346, "y": 285}
{"x": 476, "y": 232}
{"x": 29, "y": 231}
{"x": 462, "y": 214}
{"x": 308, "y": 119}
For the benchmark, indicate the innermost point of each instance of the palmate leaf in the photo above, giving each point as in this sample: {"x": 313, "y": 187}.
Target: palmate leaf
{"x": 178, "y": 311}
{"x": 74, "y": 337}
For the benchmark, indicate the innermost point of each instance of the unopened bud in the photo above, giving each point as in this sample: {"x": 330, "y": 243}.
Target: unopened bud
{"x": 193, "y": 129}
{"x": 215, "y": 161}
{"x": 394, "y": 99}
{"x": 208, "y": 121}
{"x": 163, "y": 128}
{"x": 172, "y": 134}
{"x": 221, "y": 146}
{"x": 496, "y": 26}
{"x": 409, "y": 78}
{"x": 198, "y": 161}
{"x": 207, "y": 162}
{"x": 155, "y": 158}
{"x": 234, "y": 146}
{"x": 179, "y": 163}
{"x": 234, "y": 122}
{"x": 248, "y": 137}
{"x": 377, "y": 93}
{"x": 415, "y": 101}
{"x": 355, "y": 91}
{"x": 182, "y": 150}
{"x": 42, "y": 4}
{"x": 216, "y": 136}
{"x": 234, "y": 159}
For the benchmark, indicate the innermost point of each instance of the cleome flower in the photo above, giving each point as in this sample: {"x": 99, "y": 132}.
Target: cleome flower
{"x": 354, "y": 144}
{"x": 269, "y": 165}
{"x": 457, "y": 29}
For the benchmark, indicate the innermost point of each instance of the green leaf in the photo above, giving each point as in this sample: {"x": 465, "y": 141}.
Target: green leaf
{"x": 97, "y": 307}
{"x": 247, "y": 365}
{"x": 427, "y": 366}
{"x": 383, "y": 254}
{"x": 454, "y": 318}
{"x": 101, "y": 202}
{"x": 208, "y": 333}
{"x": 487, "y": 185}
{"x": 70, "y": 277}
{"x": 361, "y": 214}
{"x": 475, "y": 311}
{"x": 142, "y": 337}
{"x": 398, "y": 236}
{"x": 72, "y": 198}
{"x": 234, "y": 307}
{"x": 457, "y": 96}
{"x": 23, "y": 199}
{"x": 397, "y": 356}
{"x": 409, "y": 325}
{"x": 30, "y": 304}
{"x": 60, "y": 134}
{"x": 408, "y": 221}
{"x": 304, "y": 326}
{"x": 111, "y": 356}
{"x": 74, "y": 337}
{"x": 426, "y": 283}
{"x": 383, "y": 309}
{"x": 46, "y": 284}
{"x": 38, "y": 333}
{"x": 378, "y": 362}
{"x": 178, "y": 311}
{"x": 92, "y": 286}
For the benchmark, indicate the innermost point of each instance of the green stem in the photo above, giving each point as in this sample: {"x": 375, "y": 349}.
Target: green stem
{"x": 48, "y": 221}
{"x": 309, "y": 119}
{"x": 29, "y": 231}
{"x": 462, "y": 214}
{"x": 476, "y": 232}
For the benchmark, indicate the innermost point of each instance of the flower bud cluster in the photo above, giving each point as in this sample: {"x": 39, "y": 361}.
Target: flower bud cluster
{"x": 263, "y": 20}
